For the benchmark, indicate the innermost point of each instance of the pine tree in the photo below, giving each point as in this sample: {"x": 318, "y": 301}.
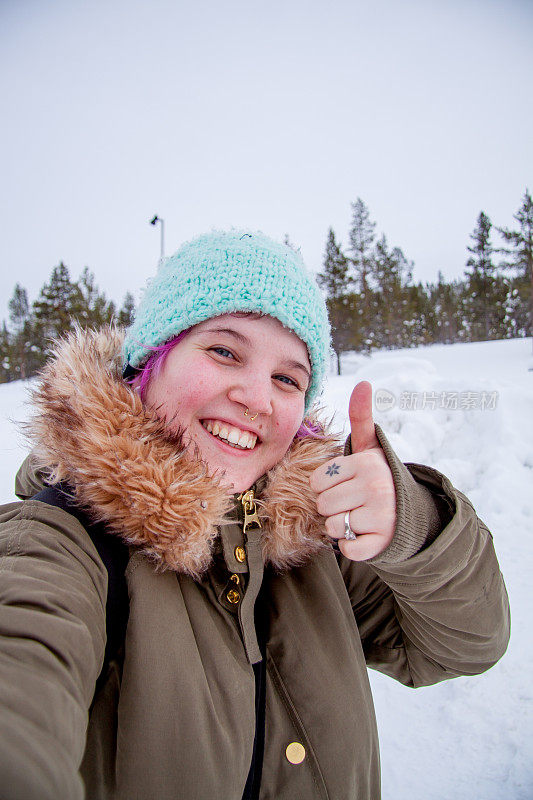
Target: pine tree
{"x": 125, "y": 315}
{"x": 521, "y": 261}
{"x": 419, "y": 319}
{"x": 19, "y": 335}
{"x": 361, "y": 252}
{"x": 334, "y": 278}
{"x": 446, "y": 300}
{"x": 485, "y": 289}
{"x": 392, "y": 275}
{"x": 19, "y": 309}
{"x": 334, "y": 281}
{"x": 361, "y": 237}
{"x": 94, "y": 310}
{"x": 59, "y": 304}
{"x": 5, "y": 355}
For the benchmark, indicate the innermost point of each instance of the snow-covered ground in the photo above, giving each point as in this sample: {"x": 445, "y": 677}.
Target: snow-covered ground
{"x": 466, "y": 409}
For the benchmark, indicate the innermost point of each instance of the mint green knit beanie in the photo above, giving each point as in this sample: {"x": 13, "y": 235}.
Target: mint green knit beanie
{"x": 226, "y": 271}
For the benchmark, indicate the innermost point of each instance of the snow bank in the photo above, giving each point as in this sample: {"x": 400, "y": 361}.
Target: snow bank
{"x": 469, "y": 738}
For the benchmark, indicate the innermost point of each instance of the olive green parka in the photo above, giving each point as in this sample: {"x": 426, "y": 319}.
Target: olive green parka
{"x": 174, "y": 714}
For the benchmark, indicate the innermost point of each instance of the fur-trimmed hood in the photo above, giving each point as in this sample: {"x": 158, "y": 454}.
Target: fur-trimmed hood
{"x": 91, "y": 430}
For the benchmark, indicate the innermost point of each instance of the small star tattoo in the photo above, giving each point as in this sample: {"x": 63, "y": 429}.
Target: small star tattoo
{"x": 333, "y": 469}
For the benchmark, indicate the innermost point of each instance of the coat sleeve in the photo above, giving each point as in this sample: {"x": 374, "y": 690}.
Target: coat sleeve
{"x": 441, "y": 612}
{"x": 53, "y": 589}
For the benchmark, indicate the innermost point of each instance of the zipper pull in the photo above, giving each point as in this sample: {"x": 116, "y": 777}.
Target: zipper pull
{"x": 250, "y": 510}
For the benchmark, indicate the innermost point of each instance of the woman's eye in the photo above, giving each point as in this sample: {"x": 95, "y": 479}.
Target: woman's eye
{"x": 221, "y": 351}
{"x": 287, "y": 380}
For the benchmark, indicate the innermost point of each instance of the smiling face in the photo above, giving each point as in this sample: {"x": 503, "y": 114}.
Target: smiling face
{"x": 223, "y": 367}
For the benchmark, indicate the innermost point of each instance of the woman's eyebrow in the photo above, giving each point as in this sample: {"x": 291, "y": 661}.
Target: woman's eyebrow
{"x": 240, "y": 337}
{"x": 290, "y": 364}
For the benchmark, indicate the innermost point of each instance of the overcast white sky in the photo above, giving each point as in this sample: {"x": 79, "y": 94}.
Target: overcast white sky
{"x": 272, "y": 115}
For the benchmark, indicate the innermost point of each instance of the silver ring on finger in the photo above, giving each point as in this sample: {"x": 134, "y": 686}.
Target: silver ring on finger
{"x": 348, "y": 533}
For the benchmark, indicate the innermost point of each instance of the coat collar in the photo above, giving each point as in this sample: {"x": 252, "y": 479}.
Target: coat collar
{"x": 91, "y": 430}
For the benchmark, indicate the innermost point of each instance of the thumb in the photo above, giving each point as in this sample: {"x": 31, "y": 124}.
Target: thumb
{"x": 363, "y": 435}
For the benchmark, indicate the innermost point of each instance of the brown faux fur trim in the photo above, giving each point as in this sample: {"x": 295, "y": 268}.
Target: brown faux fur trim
{"x": 293, "y": 528}
{"x": 91, "y": 430}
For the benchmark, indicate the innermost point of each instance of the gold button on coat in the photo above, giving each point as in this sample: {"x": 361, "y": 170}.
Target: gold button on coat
{"x": 295, "y": 752}
{"x": 233, "y": 596}
{"x": 240, "y": 554}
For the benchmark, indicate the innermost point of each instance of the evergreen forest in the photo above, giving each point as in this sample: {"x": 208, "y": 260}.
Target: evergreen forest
{"x": 372, "y": 300}
{"x": 62, "y": 303}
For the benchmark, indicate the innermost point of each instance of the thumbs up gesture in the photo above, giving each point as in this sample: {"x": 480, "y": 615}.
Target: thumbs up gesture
{"x": 356, "y": 493}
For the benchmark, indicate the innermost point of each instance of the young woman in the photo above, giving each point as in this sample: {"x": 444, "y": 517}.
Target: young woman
{"x": 266, "y": 565}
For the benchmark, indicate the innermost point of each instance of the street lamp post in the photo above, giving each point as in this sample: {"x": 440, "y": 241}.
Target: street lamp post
{"x": 162, "y": 222}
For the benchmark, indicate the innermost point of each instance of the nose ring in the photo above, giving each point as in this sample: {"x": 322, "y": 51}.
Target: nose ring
{"x": 247, "y": 415}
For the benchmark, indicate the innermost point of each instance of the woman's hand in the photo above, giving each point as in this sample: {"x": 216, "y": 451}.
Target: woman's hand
{"x": 360, "y": 484}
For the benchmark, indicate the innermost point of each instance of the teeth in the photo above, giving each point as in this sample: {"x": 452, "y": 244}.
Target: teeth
{"x": 243, "y": 439}
{"x": 232, "y": 435}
